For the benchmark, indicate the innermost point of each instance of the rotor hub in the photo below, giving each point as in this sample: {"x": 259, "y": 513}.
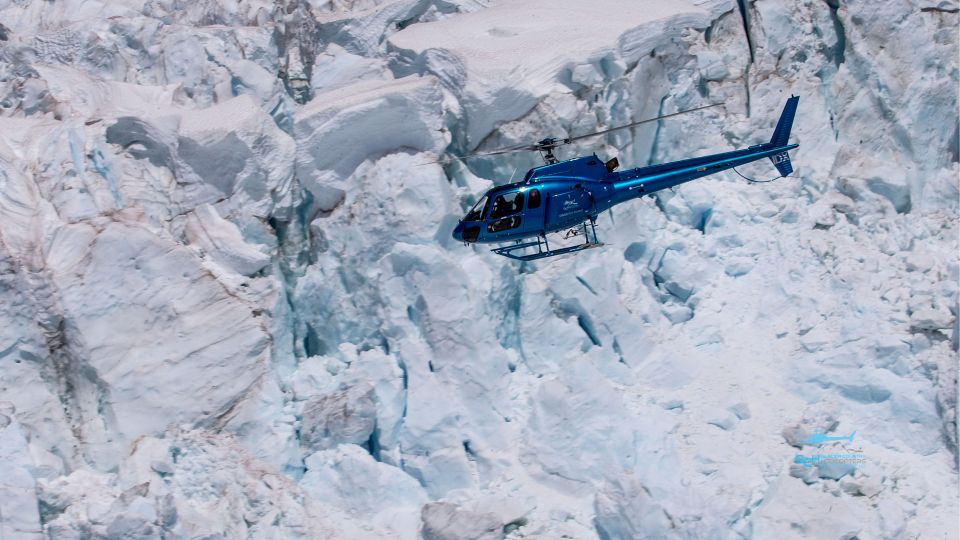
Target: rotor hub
{"x": 550, "y": 143}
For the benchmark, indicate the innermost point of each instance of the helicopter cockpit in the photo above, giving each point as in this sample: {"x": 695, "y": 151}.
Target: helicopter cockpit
{"x": 500, "y": 208}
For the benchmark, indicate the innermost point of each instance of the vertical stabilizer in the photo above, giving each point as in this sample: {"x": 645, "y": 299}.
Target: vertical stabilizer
{"x": 781, "y": 136}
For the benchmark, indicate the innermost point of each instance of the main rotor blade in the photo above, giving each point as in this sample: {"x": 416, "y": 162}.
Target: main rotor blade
{"x": 625, "y": 126}
{"x": 507, "y": 150}
{"x": 535, "y": 147}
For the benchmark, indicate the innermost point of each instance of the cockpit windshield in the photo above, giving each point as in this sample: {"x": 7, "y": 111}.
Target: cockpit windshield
{"x": 476, "y": 213}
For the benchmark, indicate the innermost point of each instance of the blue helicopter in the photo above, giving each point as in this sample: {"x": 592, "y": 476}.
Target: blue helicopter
{"x": 569, "y": 195}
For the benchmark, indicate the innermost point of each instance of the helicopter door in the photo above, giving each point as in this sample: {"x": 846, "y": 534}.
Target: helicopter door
{"x": 568, "y": 208}
{"x": 534, "y": 212}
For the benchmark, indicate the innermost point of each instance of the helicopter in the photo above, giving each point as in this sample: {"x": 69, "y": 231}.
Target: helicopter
{"x": 569, "y": 195}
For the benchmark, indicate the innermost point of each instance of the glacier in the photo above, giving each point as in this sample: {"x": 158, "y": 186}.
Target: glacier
{"x": 232, "y": 308}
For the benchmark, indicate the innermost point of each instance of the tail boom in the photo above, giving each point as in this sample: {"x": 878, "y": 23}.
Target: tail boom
{"x": 643, "y": 181}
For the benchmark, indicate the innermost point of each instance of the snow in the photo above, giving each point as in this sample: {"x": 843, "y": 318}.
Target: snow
{"x": 546, "y": 42}
{"x": 341, "y": 129}
{"x": 223, "y": 241}
{"x": 18, "y": 487}
{"x": 230, "y": 305}
{"x": 445, "y": 521}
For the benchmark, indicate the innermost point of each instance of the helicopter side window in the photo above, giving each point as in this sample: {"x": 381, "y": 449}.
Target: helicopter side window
{"x": 534, "y": 200}
{"x": 504, "y": 224}
{"x": 506, "y": 204}
{"x": 475, "y": 213}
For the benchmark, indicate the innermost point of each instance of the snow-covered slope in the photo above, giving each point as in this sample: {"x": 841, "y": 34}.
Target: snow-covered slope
{"x": 230, "y": 305}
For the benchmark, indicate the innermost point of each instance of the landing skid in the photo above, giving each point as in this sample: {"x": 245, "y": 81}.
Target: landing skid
{"x": 542, "y": 246}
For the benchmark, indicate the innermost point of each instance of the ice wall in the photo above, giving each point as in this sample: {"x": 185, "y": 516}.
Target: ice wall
{"x": 231, "y": 306}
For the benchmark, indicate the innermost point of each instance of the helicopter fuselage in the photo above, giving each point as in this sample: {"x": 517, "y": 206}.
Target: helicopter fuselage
{"x": 562, "y": 195}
